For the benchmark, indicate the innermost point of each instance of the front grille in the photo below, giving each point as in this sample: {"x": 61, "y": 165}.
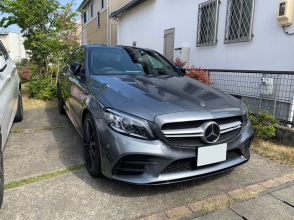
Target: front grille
{"x": 189, "y": 142}
{"x": 178, "y": 140}
{"x": 190, "y": 163}
{"x": 195, "y": 124}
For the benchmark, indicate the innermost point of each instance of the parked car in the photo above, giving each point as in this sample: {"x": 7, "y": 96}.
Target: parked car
{"x": 144, "y": 122}
{"x": 10, "y": 104}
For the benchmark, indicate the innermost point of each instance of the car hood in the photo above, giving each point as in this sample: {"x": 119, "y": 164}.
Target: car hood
{"x": 147, "y": 97}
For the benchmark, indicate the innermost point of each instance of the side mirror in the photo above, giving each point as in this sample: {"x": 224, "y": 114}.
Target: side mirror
{"x": 181, "y": 69}
{"x": 75, "y": 68}
{"x": 3, "y": 64}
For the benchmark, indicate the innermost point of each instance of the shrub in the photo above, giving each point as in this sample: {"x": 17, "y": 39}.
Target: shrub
{"x": 193, "y": 72}
{"x": 179, "y": 62}
{"x": 42, "y": 87}
{"x": 263, "y": 124}
{"x": 198, "y": 74}
{"x": 24, "y": 75}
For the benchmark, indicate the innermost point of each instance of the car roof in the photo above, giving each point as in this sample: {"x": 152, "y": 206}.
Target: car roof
{"x": 113, "y": 46}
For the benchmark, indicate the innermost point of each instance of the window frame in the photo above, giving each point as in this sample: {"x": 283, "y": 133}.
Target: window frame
{"x": 229, "y": 16}
{"x": 92, "y": 9}
{"x": 200, "y": 22}
{"x": 86, "y": 16}
{"x": 98, "y": 19}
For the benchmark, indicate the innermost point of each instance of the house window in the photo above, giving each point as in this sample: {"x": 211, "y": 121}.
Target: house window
{"x": 207, "y": 23}
{"x": 92, "y": 9}
{"x": 102, "y": 4}
{"x": 86, "y": 16}
{"x": 98, "y": 19}
{"x": 239, "y": 21}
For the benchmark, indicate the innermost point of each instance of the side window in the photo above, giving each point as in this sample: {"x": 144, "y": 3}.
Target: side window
{"x": 239, "y": 21}
{"x": 155, "y": 63}
{"x": 3, "y": 51}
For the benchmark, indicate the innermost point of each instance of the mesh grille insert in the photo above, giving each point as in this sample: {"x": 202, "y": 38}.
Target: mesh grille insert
{"x": 190, "y": 163}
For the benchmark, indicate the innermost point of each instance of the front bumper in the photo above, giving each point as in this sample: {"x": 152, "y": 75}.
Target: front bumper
{"x": 154, "y": 162}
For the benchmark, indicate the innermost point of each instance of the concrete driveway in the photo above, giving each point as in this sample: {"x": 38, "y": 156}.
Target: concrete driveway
{"x": 46, "y": 142}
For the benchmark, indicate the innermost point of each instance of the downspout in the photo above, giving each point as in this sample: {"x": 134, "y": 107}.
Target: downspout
{"x": 118, "y": 32}
{"x": 291, "y": 112}
{"x": 107, "y": 22}
{"x": 19, "y": 45}
{"x": 110, "y": 26}
{"x": 82, "y": 34}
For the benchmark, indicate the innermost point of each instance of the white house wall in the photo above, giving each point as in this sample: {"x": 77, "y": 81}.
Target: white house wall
{"x": 13, "y": 42}
{"x": 270, "y": 48}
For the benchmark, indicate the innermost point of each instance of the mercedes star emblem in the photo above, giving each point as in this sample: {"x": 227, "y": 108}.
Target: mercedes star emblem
{"x": 202, "y": 104}
{"x": 211, "y": 133}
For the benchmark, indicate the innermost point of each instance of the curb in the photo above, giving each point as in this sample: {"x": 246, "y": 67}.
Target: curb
{"x": 221, "y": 201}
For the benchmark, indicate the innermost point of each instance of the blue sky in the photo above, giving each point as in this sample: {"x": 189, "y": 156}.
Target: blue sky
{"x": 15, "y": 28}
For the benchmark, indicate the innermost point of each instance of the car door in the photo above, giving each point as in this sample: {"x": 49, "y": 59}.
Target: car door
{"x": 75, "y": 88}
{"x": 7, "y": 93}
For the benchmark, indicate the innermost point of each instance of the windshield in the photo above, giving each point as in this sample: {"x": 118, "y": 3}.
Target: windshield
{"x": 129, "y": 61}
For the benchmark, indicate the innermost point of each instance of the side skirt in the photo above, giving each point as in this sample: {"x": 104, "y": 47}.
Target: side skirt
{"x": 74, "y": 122}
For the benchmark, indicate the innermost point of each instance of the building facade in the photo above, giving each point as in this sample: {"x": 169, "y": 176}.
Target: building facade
{"x": 13, "y": 42}
{"x": 248, "y": 54}
{"x": 97, "y": 27}
{"x": 219, "y": 35}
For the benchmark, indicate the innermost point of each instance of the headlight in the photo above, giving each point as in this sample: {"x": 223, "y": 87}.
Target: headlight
{"x": 244, "y": 114}
{"x": 128, "y": 124}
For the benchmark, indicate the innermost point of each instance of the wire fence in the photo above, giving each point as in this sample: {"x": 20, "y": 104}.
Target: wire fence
{"x": 266, "y": 90}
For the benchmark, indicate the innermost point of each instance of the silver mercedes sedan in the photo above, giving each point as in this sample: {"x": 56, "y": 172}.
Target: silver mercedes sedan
{"x": 144, "y": 122}
{"x": 10, "y": 104}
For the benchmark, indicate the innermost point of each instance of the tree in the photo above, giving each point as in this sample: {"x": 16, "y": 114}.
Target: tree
{"x": 49, "y": 28}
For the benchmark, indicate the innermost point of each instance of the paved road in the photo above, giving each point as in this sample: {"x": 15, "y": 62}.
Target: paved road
{"x": 78, "y": 196}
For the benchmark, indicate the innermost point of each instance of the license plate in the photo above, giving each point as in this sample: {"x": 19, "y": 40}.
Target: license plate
{"x": 211, "y": 154}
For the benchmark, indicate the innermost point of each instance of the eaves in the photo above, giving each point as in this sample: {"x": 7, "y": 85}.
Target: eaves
{"x": 126, "y": 8}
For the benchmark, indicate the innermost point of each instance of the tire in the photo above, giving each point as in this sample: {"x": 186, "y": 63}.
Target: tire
{"x": 1, "y": 179}
{"x": 60, "y": 103}
{"x": 19, "y": 112}
{"x": 91, "y": 147}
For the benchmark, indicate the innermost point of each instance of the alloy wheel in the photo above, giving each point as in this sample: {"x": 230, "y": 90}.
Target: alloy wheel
{"x": 89, "y": 144}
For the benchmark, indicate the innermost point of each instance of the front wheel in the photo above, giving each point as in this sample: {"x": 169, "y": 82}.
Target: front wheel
{"x": 91, "y": 147}
{"x": 19, "y": 112}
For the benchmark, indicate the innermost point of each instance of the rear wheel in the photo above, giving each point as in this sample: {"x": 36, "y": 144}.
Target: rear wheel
{"x": 60, "y": 103}
{"x": 19, "y": 112}
{"x": 91, "y": 147}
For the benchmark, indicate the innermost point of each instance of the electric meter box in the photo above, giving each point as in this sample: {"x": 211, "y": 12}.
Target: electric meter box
{"x": 183, "y": 53}
{"x": 267, "y": 86}
{"x": 285, "y": 12}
